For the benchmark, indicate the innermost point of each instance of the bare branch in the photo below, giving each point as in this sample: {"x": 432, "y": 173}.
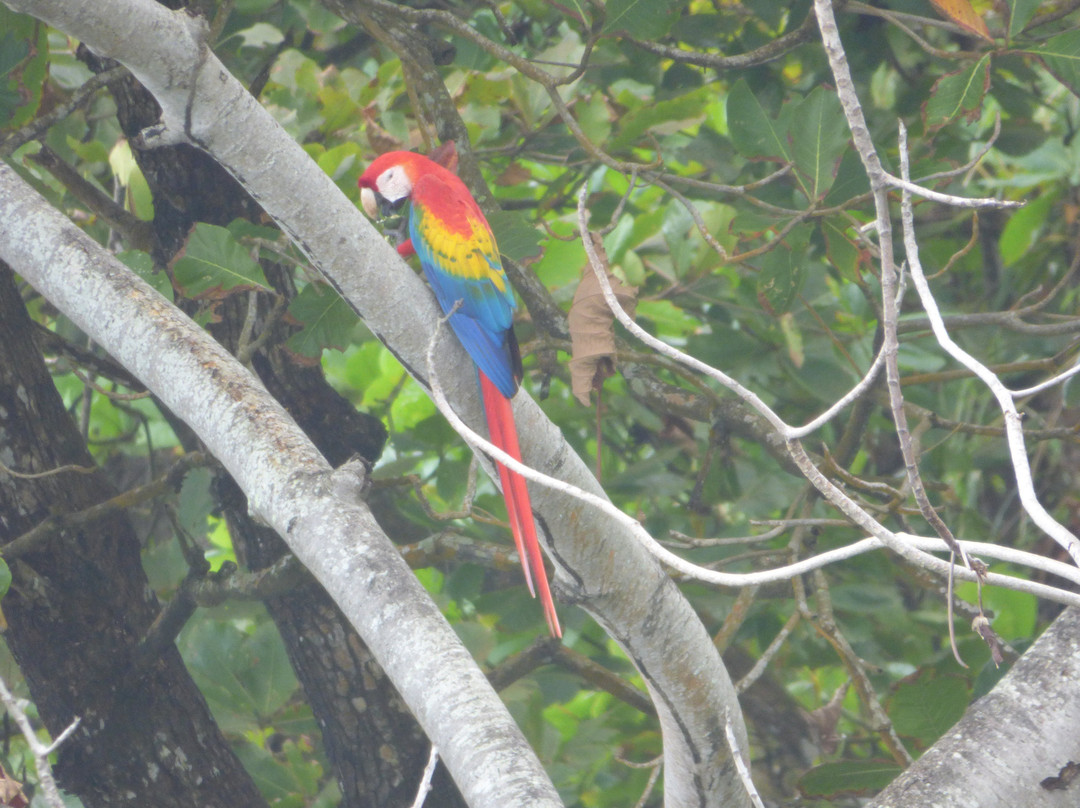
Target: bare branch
{"x": 40, "y": 750}
{"x": 1013, "y": 426}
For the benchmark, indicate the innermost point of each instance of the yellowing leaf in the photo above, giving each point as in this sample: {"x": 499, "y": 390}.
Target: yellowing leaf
{"x": 962, "y": 13}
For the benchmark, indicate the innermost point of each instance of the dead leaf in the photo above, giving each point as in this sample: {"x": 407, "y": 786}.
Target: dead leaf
{"x": 592, "y": 333}
{"x": 380, "y": 139}
{"x": 446, "y": 155}
{"x": 514, "y": 174}
{"x": 11, "y": 793}
{"x": 824, "y": 719}
{"x": 963, "y": 14}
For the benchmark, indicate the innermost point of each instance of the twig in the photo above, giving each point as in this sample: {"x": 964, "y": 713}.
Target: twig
{"x": 540, "y": 651}
{"x": 1056, "y": 380}
{"x": 22, "y": 475}
{"x": 740, "y": 764}
{"x": 656, "y": 764}
{"x": 425, "y": 779}
{"x": 785, "y": 430}
{"x": 37, "y": 127}
{"x": 1013, "y": 427}
{"x": 40, "y": 750}
{"x": 736, "y": 616}
{"x": 907, "y": 186}
{"x": 774, "y": 647}
{"x": 682, "y": 541}
{"x": 54, "y": 524}
{"x": 825, "y": 624}
{"x": 112, "y": 395}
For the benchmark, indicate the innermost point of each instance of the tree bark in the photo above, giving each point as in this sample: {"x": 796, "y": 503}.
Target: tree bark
{"x": 79, "y": 605}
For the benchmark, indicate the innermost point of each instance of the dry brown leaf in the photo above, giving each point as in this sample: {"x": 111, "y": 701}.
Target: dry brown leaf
{"x": 11, "y": 793}
{"x": 446, "y": 155}
{"x": 963, "y": 14}
{"x": 824, "y": 719}
{"x": 380, "y": 140}
{"x": 592, "y": 333}
{"x": 514, "y": 174}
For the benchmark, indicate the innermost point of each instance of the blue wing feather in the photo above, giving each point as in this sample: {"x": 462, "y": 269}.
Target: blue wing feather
{"x": 483, "y": 321}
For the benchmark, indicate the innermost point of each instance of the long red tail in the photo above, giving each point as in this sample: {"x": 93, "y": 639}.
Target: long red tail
{"x": 503, "y": 431}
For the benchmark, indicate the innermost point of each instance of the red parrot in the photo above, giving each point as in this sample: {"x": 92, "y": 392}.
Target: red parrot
{"x": 457, "y": 250}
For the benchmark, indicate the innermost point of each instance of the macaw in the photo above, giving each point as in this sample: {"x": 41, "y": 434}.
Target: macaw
{"x": 457, "y": 251}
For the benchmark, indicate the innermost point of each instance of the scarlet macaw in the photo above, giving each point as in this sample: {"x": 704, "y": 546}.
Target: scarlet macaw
{"x": 457, "y": 250}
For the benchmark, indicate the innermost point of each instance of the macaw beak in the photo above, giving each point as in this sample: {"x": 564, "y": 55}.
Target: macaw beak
{"x": 377, "y": 206}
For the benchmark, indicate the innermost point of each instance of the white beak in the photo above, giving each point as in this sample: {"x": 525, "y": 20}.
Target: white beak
{"x": 367, "y": 201}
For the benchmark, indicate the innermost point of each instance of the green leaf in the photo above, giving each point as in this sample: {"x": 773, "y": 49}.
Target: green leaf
{"x": 641, "y": 19}
{"x": 820, "y": 140}
{"x": 842, "y": 250}
{"x": 24, "y": 63}
{"x": 595, "y": 117}
{"x": 783, "y": 271}
{"x": 663, "y": 116}
{"x": 143, "y": 265}
{"x": 5, "y": 578}
{"x": 1024, "y": 227}
{"x": 327, "y": 319}
{"x": 917, "y": 358}
{"x": 792, "y": 339}
{"x": 704, "y": 30}
{"x": 958, "y": 94}
{"x": 676, "y": 231}
{"x": 668, "y": 318}
{"x": 1015, "y": 613}
{"x": 1020, "y": 12}
{"x": 517, "y": 239}
{"x": 753, "y": 133}
{"x": 214, "y": 262}
{"x": 926, "y": 704}
{"x": 1062, "y": 56}
{"x": 260, "y": 35}
{"x": 246, "y": 677}
{"x": 848, "y": 777}
{"x": 851, "y": 180}
{"x": 195, "y": 502}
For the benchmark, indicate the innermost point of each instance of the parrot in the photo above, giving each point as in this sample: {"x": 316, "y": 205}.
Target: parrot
{"x": 457, "y": 251}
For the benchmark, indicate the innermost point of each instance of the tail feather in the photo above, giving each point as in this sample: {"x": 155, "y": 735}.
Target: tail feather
{"x": 498, "y": 437}
{"x": 503, "y": 433}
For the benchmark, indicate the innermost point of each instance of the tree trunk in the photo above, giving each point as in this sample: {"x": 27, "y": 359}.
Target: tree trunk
{"x": 79, "y": 605}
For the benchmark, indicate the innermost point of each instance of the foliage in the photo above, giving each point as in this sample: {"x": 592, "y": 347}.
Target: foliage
{"x": 729, "y": 193}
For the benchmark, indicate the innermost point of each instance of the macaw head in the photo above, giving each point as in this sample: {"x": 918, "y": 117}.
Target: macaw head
{"x": 387, "y": 183}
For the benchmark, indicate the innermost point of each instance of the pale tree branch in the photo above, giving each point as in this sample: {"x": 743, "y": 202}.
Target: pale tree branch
{"x": 1014, "y": 431}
